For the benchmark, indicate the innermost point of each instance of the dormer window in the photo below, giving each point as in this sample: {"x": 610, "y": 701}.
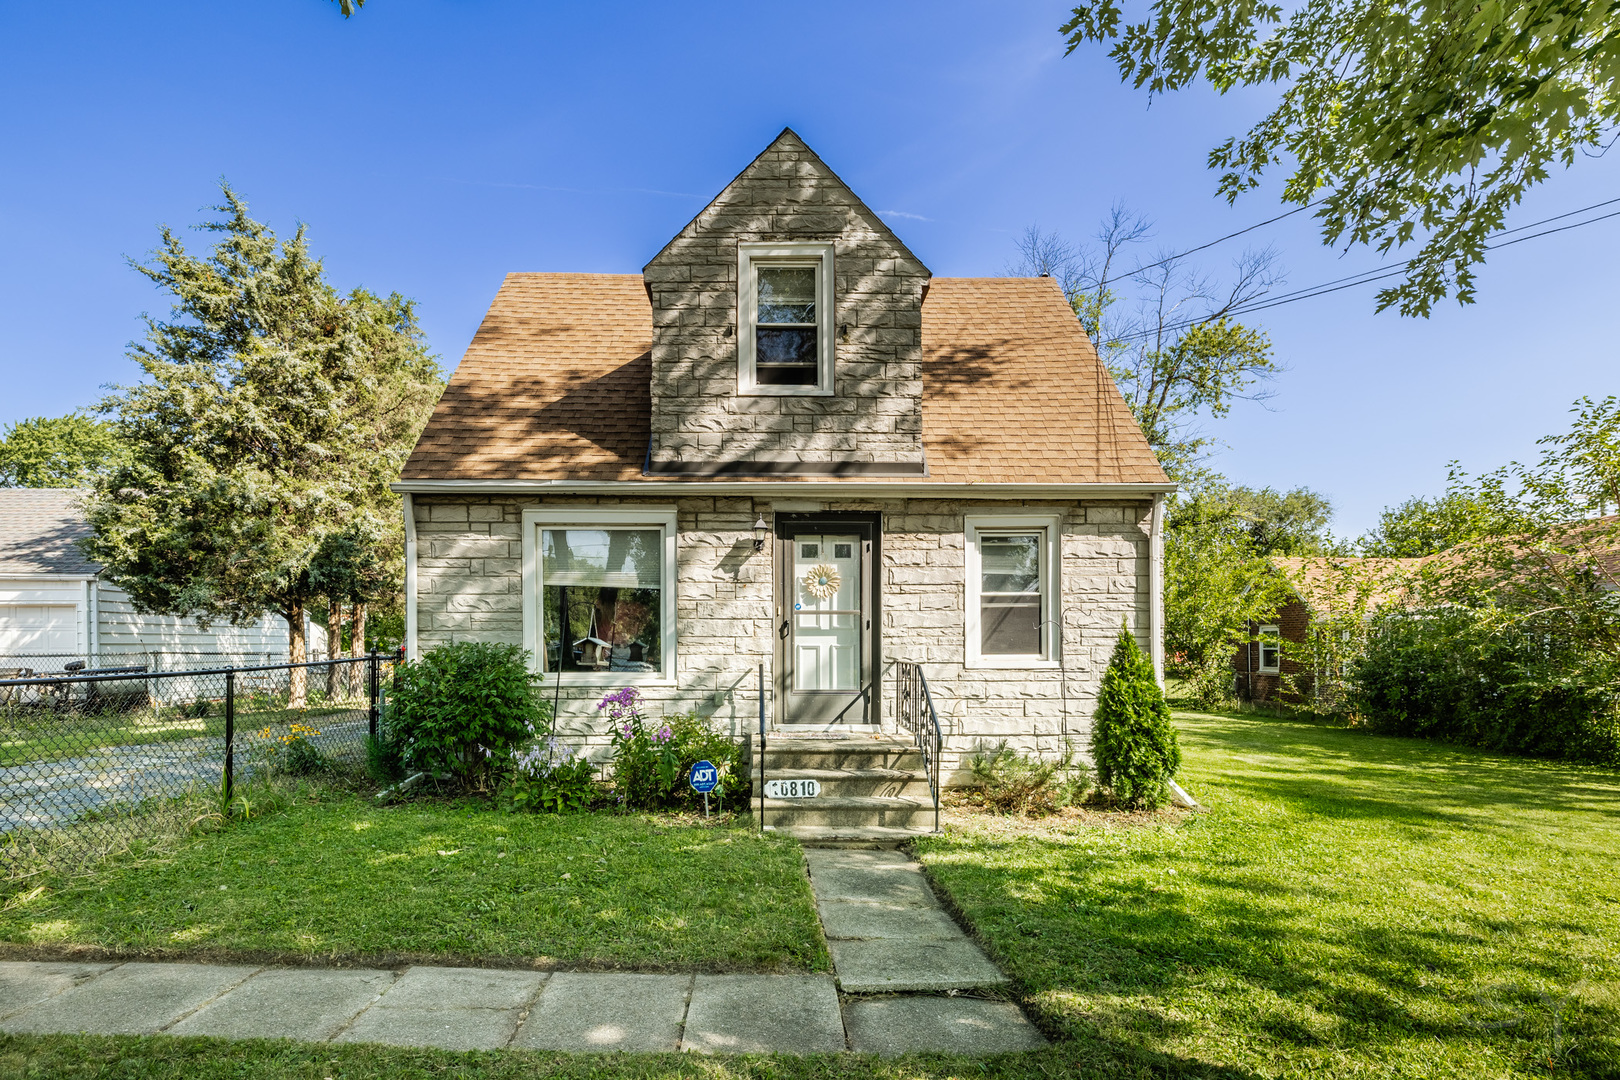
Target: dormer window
{"x": 785, "y": 313}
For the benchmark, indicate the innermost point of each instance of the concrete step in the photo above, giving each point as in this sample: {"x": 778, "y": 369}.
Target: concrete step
{"x": 854, "y": 836}
{"x": 889, "y": 783}
{"x": 864, "y": 753}
{"x": 849, "y": 810}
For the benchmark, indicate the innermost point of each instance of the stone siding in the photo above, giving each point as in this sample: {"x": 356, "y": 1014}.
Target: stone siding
{"x": 469, "y": 587}
{"x": 875, "y": 412}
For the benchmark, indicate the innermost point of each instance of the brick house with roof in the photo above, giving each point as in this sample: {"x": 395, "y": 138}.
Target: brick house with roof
{"x": 786, "y": 443}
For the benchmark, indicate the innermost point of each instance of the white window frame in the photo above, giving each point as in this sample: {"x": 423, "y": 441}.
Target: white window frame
{"x": 1050, "y": 525}
{"x": 748, "y": 310}
{"x": 589, "y": 517}
{"x": 1273, "y": 631}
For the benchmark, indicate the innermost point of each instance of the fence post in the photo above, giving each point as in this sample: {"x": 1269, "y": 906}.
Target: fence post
{"x": 230, "y": 733}
{"x": 373, "y": 673}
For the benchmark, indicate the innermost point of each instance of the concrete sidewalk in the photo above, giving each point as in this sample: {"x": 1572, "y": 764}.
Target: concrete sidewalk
{"x": 480, "y": 1008}
{"x": 886, "y": 929}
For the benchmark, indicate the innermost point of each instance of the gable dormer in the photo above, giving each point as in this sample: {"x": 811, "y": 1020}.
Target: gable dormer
{"x": 787, "y": 331}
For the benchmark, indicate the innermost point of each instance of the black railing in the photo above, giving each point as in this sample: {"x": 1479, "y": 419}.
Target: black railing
{"x": 760, "y": 749}
{"x": 94, "y": 758}
{"x": 915, "y": 709}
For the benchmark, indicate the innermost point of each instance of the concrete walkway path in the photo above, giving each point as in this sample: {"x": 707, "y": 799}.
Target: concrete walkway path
{"x": 481, "y": 1008}
{"x": 886, "y": 929}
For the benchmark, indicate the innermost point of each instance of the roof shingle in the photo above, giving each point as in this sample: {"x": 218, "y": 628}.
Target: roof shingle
{"x": 38, "y": 530}
{"x": 555, "y": 386}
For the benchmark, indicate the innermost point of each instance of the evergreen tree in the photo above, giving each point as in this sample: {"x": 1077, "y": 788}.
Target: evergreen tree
{"x": 273, "y": 413}
{"x": 1133, "y": 743}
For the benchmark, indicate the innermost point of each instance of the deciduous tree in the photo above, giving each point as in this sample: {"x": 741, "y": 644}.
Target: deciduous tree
{"x": 57, "y": 452}
{"x": 1413, "y": 122}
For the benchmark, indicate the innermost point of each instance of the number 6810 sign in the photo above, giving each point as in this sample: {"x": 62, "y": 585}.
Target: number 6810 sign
{"x": 792, "y": 789}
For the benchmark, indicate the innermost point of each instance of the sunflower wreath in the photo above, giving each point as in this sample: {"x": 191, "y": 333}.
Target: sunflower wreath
{"x": 822, "y": 581}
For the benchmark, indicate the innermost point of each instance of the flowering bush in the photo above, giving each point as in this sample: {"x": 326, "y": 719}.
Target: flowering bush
{"x": 652, "y": 758}
{"x": 462, "y": 708}
{"x": 550, "y": 776}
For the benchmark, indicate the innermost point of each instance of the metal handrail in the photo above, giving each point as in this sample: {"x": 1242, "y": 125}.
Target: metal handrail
{"x": 761, "y": 748}
{"x": 918, "y": 716}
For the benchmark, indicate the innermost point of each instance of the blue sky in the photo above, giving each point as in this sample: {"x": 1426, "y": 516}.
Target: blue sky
{"x": 431, "y": 146}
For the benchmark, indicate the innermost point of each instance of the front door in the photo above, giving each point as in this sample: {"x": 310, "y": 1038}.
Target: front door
{"x": 826, "y": 645}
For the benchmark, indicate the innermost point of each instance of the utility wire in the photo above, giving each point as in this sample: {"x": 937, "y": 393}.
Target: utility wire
{"x": 1212, "y": 243}
{"x": 1366, "y": 277}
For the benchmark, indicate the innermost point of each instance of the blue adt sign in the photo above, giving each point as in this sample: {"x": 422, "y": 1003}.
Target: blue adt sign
{"x": 705, "y": 777}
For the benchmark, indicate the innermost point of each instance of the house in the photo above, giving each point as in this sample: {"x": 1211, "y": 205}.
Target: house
{"x": 1323, "y": 587}
{"x": 56, "y": 608}
{"x": 785, "y": 451}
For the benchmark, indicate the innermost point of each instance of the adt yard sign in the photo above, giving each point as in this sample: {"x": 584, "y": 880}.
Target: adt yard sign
{"x": 705, "y": 777}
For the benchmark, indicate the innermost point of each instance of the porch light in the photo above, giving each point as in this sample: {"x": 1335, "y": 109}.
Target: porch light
{"x": 760, "y": 529}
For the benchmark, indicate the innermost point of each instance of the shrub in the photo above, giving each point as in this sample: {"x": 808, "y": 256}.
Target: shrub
{"x": 653, "y": 758}
{"x": 1447, "y": 674}
{"x": 1132, "y": 740}
{"x": 1011, "y": 783}
{"x": 462, "y": 707}
{"x": 550, "y": 776}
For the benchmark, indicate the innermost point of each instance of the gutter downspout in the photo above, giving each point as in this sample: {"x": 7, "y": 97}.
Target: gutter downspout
{"x": 409, "y": 509}
{"x": 93, "y": 587}
{"x": 1156, "y": 588}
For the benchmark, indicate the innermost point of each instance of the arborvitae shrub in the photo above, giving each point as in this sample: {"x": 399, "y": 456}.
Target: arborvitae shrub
{"x": 1133, "y": 742}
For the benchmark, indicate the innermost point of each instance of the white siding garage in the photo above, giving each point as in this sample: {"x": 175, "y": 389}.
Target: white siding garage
{"x": 54, "y": 607}
{"x": 38, "y": 628}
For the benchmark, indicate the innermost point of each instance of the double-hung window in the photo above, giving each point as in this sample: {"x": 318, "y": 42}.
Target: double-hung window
{"x": 1270, "y": 650}
{"x": 784, "y": 309}
{"x": 1012, "y": 590}
{"x": 599, "y": 589}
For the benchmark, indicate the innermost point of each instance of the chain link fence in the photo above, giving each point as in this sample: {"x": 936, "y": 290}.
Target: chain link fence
{"x": 96, "y": 758}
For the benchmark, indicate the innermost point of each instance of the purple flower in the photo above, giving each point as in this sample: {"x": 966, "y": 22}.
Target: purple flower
{"x": 663, "y": 734}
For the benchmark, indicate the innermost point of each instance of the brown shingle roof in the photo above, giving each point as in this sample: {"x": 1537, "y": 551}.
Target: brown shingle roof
{"x": 39, "y": 528}
{"x": 1322, "y": 582}
{"x": 555, "y": 387}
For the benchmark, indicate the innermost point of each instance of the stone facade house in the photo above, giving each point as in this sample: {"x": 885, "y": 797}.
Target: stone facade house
{"x": 785, "y": 446}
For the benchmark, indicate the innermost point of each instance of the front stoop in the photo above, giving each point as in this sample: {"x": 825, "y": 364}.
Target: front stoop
{"x": 874, "y": 790}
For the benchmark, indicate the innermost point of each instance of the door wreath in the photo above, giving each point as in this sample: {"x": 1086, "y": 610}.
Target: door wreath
{"x": 822, "y": 581}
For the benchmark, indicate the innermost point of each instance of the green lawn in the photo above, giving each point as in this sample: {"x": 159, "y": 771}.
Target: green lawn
{"x": 1350, "y": 905}
{"x": 31, "y": 735}
{"x": 336, "y": 876}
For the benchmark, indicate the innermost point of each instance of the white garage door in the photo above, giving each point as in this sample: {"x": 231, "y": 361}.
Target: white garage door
{"x": 38, "y": 628}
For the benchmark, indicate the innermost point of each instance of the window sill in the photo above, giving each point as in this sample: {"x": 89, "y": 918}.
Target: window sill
{"x": 783, "y": 391}
{"x": 607, "y": 678}
{"x": 1014, "y": 663}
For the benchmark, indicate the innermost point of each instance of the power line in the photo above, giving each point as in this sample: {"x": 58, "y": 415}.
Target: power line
{"x": 1366, "y": 277}
{"x": 1212, "y": 243}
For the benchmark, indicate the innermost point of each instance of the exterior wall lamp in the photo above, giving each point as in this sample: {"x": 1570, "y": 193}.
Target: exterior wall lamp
{"x": 760, "y": 529}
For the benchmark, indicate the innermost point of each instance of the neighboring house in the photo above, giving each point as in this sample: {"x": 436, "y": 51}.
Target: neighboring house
{"x": 1323, "y": 587}
{"x": 787, "y": 445}
{"x": 55, "y": 608}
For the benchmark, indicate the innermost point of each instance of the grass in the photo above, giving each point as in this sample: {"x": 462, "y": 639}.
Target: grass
{"x": 30, "y": 734}
{"x": 336, "y": 877}
{"x": 1349, "y": 905}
